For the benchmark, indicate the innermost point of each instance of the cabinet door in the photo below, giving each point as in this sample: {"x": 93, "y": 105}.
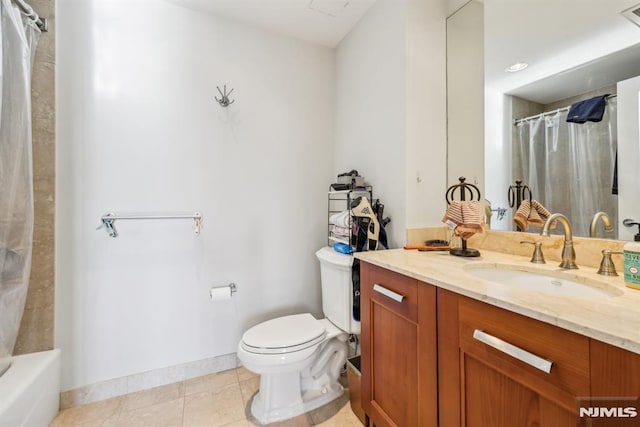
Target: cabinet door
{"x": 615, "y": 383}
{"x": 398, "y": 349}
{"x": 499, "y": 385}
{"x": 448, "y": 359}
{"x": 492, "y": 398}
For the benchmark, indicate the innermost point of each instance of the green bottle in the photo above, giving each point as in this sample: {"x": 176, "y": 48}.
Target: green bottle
{"x": 632, "y": 263}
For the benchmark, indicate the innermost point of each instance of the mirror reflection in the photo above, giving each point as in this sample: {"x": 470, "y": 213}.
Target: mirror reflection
{"x": 568, "y": 52}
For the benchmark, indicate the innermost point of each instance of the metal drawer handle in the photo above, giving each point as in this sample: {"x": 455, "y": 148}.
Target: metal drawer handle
{"x": 388, "y": 292}
{"x": 529, "y": 358}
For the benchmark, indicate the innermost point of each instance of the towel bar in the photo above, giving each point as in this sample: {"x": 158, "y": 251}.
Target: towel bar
{"x": 109, "y": 219}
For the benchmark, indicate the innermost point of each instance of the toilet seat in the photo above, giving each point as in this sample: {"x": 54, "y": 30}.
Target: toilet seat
{"x": 285, "y": 334}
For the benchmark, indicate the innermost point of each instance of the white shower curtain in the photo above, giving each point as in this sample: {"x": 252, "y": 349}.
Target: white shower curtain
{"x": 18, "y": 38}
{"x": 569, "y": 167}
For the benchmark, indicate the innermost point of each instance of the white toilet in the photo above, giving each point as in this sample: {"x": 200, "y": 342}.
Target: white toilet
{"x": 298, "y": 357}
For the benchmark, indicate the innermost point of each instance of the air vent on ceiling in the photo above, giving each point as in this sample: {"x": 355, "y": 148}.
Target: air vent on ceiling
{"x": 633, "y": 14}
{"x": 330, "y": 8}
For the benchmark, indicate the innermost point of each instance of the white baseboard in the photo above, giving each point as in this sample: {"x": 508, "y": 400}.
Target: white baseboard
{"x": 146, "y": 380}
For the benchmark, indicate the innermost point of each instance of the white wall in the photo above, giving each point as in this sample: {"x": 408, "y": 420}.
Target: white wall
{"x": 371, "y": 106}
{"x": 426, "y": 156}
{"x": 628, "y": 154}
{"x": 139, "y": 131}
{"x": 465, "y": 95}
{"x": 390, "y": 109}
{"x": 497, "y": 154}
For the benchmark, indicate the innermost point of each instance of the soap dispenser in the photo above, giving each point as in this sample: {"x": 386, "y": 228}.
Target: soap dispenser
{"x": 632, "y": 258}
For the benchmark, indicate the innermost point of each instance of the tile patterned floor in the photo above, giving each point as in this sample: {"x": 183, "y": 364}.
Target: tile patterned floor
{"x": 210, "y": 401}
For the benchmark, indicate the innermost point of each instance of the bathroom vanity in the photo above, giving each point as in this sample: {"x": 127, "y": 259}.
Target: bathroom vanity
{"x": 442, "y": 347}
{"x": 399, "y": 348}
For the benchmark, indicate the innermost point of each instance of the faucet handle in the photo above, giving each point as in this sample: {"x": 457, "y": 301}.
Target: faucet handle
{"x": 538, "y": 256}
{"x": 607, "y": 268}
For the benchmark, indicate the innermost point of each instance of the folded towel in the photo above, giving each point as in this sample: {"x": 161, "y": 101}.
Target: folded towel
{"x": 339, "y": 231}
{"x": 473, "y": 219}
{"x": 542, "y": 215}
{"x": 535, "y": 219}
{"x": 531, "y": 213}
{"x": 340, "y": 219}
{"x": 465, "y": 218}
{"x": 453, "y": 217}
{"x": 521, "y": 218}
{"x": 589, "y": 110}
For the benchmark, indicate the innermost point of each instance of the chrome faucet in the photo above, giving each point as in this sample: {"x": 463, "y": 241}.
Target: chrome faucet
{"x": 606, "y": 221}
{"x": 568, "y": 253}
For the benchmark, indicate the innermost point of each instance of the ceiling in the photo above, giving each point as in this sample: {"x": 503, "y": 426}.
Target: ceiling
{"x": 566, "y": 38}
{"x": 605, "y": 71}
{"x": 454, "y": 5}
{"x": 572, "y": 40}
{"x": 323, "y": 22}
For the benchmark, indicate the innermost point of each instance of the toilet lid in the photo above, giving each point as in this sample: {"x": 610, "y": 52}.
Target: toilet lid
{"x": 284, "y": 334}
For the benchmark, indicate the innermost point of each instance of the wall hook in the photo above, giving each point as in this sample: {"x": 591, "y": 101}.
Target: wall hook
{"x": 224, "y": 101}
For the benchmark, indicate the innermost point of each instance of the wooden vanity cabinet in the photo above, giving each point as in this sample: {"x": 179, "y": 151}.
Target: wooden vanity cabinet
{"x": 494, "y": 386}
{"x": 399, "y": 360}
{"x": 439, "y": 358}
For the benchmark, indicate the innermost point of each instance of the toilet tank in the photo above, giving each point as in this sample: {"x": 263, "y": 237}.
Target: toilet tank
{"x": 337, "y": 289}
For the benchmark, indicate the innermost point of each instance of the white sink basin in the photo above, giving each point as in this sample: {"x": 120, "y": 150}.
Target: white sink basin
{"x": 558, "y": 283}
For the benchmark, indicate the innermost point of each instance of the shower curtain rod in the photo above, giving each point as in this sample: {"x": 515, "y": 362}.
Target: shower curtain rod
{"x": 28, "y": 10}
{"x": 548, "y": 113}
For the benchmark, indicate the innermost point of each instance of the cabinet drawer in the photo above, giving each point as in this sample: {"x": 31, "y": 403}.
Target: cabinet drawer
{"x": 484, "y": 327}
{"x": 392, "y": 290}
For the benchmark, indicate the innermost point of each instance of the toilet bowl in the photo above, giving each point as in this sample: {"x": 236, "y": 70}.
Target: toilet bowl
{"x": 298, "y": 357}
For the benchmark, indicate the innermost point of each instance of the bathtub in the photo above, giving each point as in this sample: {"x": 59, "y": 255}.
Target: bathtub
{"x": 30, "y": 389}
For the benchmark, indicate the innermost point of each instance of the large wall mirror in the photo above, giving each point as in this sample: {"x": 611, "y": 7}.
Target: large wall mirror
{"x": 506, "y": 126}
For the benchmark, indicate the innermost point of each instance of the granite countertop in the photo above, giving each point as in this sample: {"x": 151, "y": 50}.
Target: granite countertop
{"x": 612, "y": 317}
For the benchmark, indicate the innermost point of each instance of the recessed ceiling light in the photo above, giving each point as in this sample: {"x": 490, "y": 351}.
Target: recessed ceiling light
{"x": 518, "y": 66}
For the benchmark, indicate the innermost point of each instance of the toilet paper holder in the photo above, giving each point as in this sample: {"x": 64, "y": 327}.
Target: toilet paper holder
{"x": 232, "y": 289}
